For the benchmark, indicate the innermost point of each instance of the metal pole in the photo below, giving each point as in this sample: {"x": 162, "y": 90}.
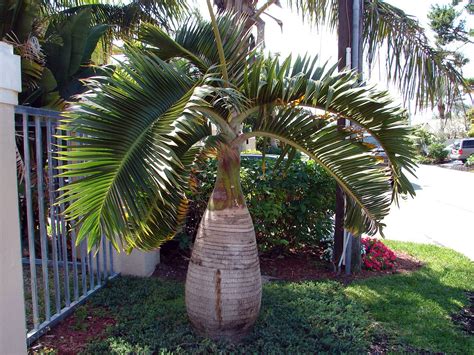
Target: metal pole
{"x": 42, "y": 216}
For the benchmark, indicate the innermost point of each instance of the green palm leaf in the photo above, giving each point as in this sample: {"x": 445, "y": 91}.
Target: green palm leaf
{"x": 285, "y": 89}
{"x": 125, "y": 134}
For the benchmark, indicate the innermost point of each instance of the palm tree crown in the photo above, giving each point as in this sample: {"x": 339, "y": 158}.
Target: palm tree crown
{"x": 136, "y": 134}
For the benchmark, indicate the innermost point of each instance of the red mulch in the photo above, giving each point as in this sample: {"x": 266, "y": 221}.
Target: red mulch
{"x": 73, "y": 334}
{"x": 296, "y": 267}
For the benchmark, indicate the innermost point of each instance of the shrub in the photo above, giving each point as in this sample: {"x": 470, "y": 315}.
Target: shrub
{"x": 437, "y": 152}
{"x": 470, "y": 160}
{"x": 470, "y": 116}
{"x": 376, "y": 255}
{"x": 290, "y": 209}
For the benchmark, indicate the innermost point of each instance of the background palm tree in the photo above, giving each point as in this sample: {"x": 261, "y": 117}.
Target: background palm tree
{"x": 136, "y": 136}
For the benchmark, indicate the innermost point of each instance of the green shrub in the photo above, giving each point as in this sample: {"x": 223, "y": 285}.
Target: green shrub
{"x": 470, "y": 160}
{"x": 295, "y": 318}
{"x": 290, "y": 209}
{"x": 422, "y": 159}
{"x": 421, "y": 139}
{"x": 437, "y": 152}
{"x": 470, "y": 117}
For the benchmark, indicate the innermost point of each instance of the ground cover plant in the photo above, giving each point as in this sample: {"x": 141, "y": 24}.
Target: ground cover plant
{"x": 295, "y": 318}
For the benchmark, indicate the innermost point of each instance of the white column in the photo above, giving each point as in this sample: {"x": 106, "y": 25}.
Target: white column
{"x": 12, "y": 308}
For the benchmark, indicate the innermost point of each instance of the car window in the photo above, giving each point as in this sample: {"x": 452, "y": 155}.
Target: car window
{"x": 370, "y": 140}
{"x": 468, "y": 143}
{"x": 456, "y": 145}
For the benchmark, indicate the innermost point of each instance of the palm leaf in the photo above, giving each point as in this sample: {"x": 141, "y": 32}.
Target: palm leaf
{"x": 131, "y": 175}
{"x": 286, "y": 88}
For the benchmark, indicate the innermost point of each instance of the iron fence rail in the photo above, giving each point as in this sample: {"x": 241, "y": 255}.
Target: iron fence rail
{"x": 59, "y": 275}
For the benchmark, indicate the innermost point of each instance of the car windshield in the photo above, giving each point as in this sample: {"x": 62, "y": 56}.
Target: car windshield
{"x": 456, "y": 145}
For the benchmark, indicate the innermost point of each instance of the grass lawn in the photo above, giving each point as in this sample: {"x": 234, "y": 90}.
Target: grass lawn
{"x": 409, "y": 311}
{"x": 416, "y": 308}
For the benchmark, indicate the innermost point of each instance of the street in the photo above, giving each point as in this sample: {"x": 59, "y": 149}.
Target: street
{"x": 442, "y": 212}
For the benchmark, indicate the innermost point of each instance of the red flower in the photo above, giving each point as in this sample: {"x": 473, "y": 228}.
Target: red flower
{"x": 377, "y": 255}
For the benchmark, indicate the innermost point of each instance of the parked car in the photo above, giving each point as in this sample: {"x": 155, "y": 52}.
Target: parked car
{"x": 376, "y": 149}
{"x": 462, "y": 149}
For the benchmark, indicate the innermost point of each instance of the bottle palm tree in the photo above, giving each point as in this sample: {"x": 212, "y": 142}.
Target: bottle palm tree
{"x": 135, "y": 136}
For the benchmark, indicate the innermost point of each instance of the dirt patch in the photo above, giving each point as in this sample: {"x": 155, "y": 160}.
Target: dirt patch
{"x": 385, "y": 345}
{"x": 75, "y": 332}
{"x": 465, "y": 318}
{"x": 172, "y": 266}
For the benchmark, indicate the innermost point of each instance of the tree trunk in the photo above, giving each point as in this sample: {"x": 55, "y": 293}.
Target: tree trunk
{"x": 223, "y": 284}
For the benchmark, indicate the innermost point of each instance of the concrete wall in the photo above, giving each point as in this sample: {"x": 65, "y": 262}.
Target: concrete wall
{"x": 12, "y": 308}
{"x": 137, "y": 263}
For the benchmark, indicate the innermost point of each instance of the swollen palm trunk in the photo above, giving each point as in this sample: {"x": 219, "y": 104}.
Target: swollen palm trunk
{"x": 223, "y": 284}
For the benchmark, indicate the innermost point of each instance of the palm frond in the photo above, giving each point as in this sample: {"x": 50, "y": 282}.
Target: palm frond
{"x": 419, "y": 70}
{"x": 131, "y": 137}
{"x": 195, "y": 42}
{"x": 285, "y": 88}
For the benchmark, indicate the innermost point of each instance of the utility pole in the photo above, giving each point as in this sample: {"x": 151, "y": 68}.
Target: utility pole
{"x": 344, "y": 41}
{"x": 350, "y": 17}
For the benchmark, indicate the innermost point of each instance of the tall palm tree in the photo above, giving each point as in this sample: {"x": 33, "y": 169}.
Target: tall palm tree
{"x": 135, "y": 136}
{"x": 414, "y": 65}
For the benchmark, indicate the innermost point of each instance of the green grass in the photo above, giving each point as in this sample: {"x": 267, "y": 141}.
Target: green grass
{"x": 312, "y": 317}
{"x": 415, "y": 308}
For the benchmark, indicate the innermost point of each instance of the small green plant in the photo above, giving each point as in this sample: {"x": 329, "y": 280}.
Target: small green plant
{"x": 437, "y": 152}
{"x": 80, "y": 316}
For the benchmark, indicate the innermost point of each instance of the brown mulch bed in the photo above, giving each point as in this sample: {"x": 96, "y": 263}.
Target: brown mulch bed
{"x": 296, "y": 267}
{"x": 72, "y": 334}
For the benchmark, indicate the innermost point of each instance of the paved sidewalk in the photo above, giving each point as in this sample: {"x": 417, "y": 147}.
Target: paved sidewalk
{"x": 442, "y": 212}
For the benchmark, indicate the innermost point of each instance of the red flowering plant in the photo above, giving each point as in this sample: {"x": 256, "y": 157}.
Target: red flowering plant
{"x": 376, "y": 255}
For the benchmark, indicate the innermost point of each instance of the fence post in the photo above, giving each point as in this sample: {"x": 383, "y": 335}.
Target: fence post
{"x": 12, "y": 306}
